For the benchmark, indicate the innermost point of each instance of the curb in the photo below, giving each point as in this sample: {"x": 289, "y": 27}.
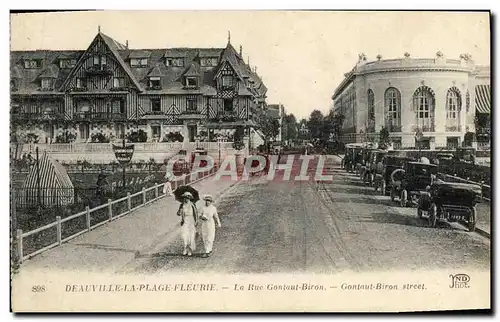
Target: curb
{"x": 483, "y": 233}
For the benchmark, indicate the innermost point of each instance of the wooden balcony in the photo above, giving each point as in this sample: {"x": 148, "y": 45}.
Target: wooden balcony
{"x": 102, "y": 70}
{"x": 99, "y": 116}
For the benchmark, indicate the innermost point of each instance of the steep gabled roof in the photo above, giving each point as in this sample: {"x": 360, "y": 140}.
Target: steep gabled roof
{"x": 115, "y": 46}
{"x": 193, "y": 70}
{"x": 52, "y": 71}
{"x": 156, "y": 71}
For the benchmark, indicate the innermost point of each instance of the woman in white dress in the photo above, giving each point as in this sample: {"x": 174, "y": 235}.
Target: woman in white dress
{"x": 189, "y": 221}
{"x": 167, "y": 187}
{"x": 209, "y": 216}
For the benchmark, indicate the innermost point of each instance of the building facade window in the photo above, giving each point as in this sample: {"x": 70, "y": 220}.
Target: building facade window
{"x": 155, "y": 82}
{"x": 191, "y": 105}
{"x": 81, "y": 82}
{"x": 118, "y": 107}
{"x": 155, "y": 105}
{"x": 392, "y": 99}
{"x": 67, "y": 63}
{"x": 209, "y": 61}
{"x": 228, "y": 105}
{"x": 191, "y": 82}
{"x": 138, "y": 62}
{"x": 100, "y": 60}
{"x": 453, "y": 107}
{"x": 424, "y": 104}
{"x": 371, "y": 111}
{"x": 47, "y": 84}
{"x": 118, "y": 82}
{"x": 175, "y": 62}
{"x": 227, "y": 81}
{"x": 33, "y": 63}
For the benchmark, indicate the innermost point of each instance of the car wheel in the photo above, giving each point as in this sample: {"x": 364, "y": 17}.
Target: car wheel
{"x": 472, "y": 219}
{"x": 432, "y": 215}
{"x": 404, "y": 198}
{"x": 382, "y": 188}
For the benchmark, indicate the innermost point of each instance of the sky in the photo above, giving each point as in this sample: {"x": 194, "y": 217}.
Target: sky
{"x": 301, "y": 55}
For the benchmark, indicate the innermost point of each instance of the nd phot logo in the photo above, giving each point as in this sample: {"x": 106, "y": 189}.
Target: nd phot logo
{"x": 459, "y": 281}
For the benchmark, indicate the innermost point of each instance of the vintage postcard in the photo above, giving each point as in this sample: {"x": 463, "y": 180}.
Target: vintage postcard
{"x": 250, "y": 161}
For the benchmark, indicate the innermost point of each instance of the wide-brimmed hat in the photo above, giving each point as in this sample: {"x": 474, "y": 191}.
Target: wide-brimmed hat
{"x": 187, "y": 194}
{"x": 208, "y": 198}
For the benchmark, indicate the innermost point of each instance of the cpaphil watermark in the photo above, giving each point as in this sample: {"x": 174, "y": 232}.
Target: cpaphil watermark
{"x": 275, "y": 168}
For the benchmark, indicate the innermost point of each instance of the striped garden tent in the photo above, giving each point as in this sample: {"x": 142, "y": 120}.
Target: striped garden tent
{"x": 55, "y": 187}
{"x": 483, "y": 99}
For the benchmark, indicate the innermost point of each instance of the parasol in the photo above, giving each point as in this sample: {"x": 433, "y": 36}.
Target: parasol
{"x": 182, "y": 189}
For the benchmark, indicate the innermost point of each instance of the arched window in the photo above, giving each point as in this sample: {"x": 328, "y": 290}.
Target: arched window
{"x": 424, "y": 104}
{"x": 371, "y": 111}
{"x": 453, "y": 107}
{"x": 392, "y": 99}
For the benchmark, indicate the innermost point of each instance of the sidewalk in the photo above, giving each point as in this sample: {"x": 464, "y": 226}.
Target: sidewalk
{"x": 109, "y": 247}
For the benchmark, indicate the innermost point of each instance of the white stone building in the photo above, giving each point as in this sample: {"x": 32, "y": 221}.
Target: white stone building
{"x": 436, "y": 96}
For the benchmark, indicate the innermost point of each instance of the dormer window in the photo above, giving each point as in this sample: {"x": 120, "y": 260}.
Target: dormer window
{"x": 227, "y": 81}
{"x": 191, "y": 82}
{"x": 47, "y": 84}
{"x": 138, "y": 62}
{"x": 175, "y": 62}
{"x": 67, "y": 63}
{"x": 209, "y": 62}
{"x": 155, "y": 82}
{"x": 33, "y": 63}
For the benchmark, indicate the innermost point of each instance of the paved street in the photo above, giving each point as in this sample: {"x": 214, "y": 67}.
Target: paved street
{"x": 278, "y": 226}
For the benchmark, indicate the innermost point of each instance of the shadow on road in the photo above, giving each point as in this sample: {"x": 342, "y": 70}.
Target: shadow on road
{"x": 399, "y": 219}
{"x": 365, "y": 200}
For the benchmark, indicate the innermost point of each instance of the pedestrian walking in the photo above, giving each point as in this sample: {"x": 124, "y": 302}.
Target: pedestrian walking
{"x": 167, "y": 187}
{"x": 209, "y": 217}
{"x": 189, "y": 221}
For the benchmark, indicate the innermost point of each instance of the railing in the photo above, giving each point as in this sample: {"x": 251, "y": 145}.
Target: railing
{"x": 37, "y": 116}
{"x": 485, "y": 189}
{"x": 98, "y": 116}
{"x": 92, "y": 218}
{"x": 107, "y": 147}
{"x": 424, "y": 128}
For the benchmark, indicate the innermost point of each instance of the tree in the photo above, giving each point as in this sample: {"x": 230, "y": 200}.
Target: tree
{"x": 338, "y": 124}
{"x": 289, "y": 128}
{"x": 315, "y": 124}
{"x": 270, "y": 127}
{"x": 384, "y": 138}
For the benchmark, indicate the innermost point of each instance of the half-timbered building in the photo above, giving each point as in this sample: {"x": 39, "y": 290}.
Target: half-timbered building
{"x": 110, "y": 91}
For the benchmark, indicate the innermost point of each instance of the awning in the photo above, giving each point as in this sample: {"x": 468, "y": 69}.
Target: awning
{"x": 483, "y": 99}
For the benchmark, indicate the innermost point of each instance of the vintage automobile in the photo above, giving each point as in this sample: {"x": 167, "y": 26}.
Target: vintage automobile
{"x": 352, "y": 150}
{"x": 453, "y": 202}
{"x": 415, "y": 177}
{"x": 365, "y": 162}
{"x": 373, "y": 164}
{"x": 390, "y": 163}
